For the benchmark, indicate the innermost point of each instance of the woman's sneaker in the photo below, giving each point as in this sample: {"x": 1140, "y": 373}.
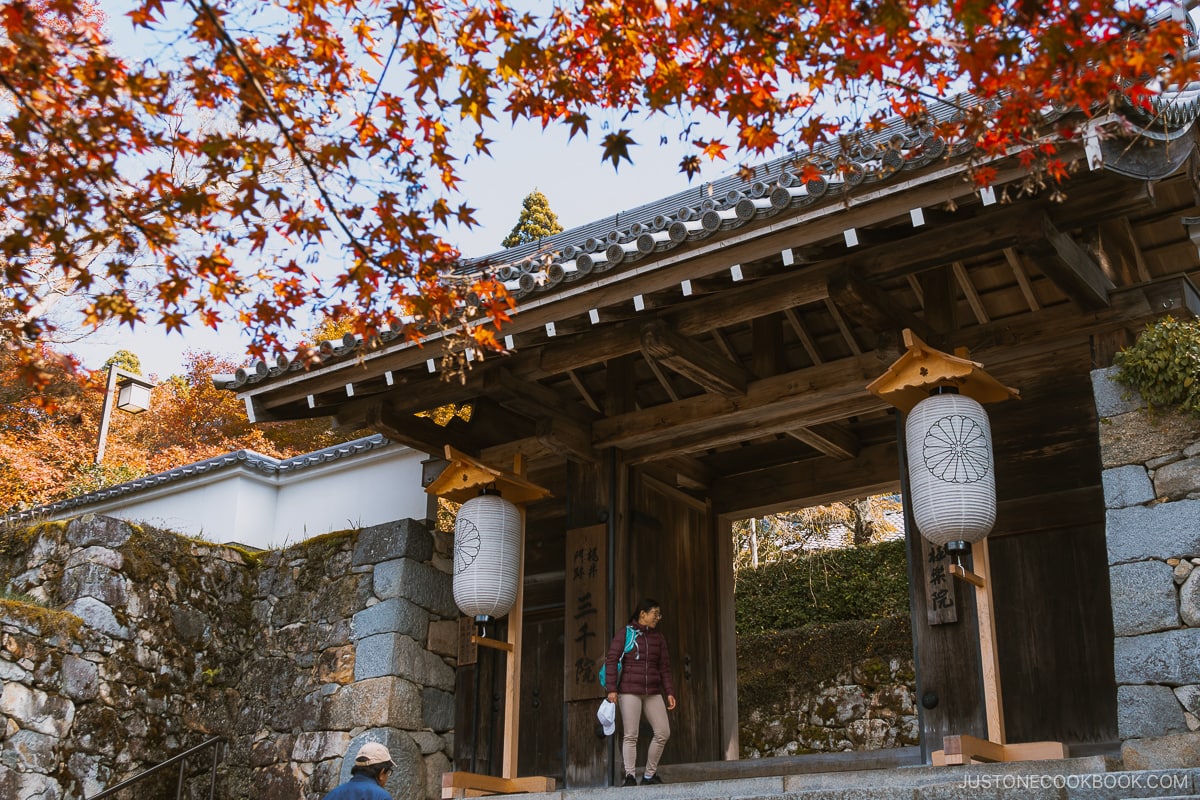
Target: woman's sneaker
{"x": 646, "y": 780}
{"x": 631, "y": 780}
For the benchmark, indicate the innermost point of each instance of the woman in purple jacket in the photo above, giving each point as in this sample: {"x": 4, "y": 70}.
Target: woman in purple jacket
{"x": 639, "y": 685}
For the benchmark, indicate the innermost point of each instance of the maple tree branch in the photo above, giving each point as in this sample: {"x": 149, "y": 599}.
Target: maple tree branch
{"x": 203, "y": 6}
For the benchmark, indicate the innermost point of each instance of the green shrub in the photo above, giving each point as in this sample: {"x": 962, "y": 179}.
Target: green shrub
{"x": 1164, "y": 364}
{"x": 856, "y": 583}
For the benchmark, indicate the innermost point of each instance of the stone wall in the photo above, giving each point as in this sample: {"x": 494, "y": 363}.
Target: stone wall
{"x": 1151, "y": 460}
{"x": 122, "y": 646}
{"x": 827, "y": 688}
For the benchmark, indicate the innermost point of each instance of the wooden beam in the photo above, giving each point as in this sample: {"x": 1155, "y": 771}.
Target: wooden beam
{"x": 834, "y": 440}
{"x": 810, "y": 347}
{"x": 722, "y": 342}
{"x": 468, "y": 784}
{"x": 1016, "y": 263}
{"x": 871, "y": 307}
{"x": 765, "y": 400}
{"x": 1070, "y": 267}
{"x": 619, "y": 389}
{"x": 419, "y": 433}
{"x": 847, "y": 334}
{"x": 968, "y": 289}
{"x": 577, "y": 382}
{"x": 662, "y": 379}
{"x": 941, "y": 303}
{"x": 530, "y": 398}
{"x": 698, "y": 364}
{"x": 1118, "y": 246}
{"x": 564, "y": 435}
{"x": 816, "y": 481}
{"x": 689, "y": 473}
{"x": 766, "y": 335}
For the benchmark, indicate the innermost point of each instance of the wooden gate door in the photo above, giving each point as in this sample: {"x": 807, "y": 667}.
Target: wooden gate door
{"x": 673, "y": 560}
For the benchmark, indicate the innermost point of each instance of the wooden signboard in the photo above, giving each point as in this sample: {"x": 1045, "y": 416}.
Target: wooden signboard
{"x": 468, "y": 651}
{"x": 586, "y": 611}
{"x": 940, "y": 597}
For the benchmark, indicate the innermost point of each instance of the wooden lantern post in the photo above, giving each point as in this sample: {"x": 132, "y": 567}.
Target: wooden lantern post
{"x": 463, "y": 479}
{"x": 907, "y": 382}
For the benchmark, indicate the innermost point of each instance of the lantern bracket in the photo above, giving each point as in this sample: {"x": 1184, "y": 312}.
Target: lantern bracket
{"x": 922, "y": 368}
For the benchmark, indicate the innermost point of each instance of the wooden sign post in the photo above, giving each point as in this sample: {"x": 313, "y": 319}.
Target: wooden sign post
{"x": 463, "y": 479}
{"x": 907, "y": 382}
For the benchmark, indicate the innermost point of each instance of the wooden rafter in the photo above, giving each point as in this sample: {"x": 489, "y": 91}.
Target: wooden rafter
{"x": 1117, "y": 240}
{"x": 663, "y": 381}
{"x": 847, "y": 334}
{"x": 531, "y": 399}
{"x": 968, "y": 288}
{"x": 1070, "y": 267}
{"x": 1016, "y": 263}
{"x": 869, "y": 306}
{"x": 770, "y": 405}
{"x": 722, "y": 342}
{"x": 834, "y": 440}
{"x": 710, "y": 371}
{"x": 810, "y": 347}
{"x": 577, "y": 382}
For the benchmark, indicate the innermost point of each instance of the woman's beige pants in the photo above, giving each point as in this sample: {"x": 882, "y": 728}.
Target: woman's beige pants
{"x": 632, "y": 707}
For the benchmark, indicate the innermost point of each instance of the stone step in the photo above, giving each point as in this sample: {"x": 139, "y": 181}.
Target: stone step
{"x": 1089, "y": 778}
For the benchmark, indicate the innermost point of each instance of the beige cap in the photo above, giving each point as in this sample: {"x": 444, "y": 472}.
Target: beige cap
{"x": 372, "y": 753}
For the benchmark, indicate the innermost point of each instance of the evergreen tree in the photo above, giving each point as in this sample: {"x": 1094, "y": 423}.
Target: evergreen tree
{"x": 537, "y": 221}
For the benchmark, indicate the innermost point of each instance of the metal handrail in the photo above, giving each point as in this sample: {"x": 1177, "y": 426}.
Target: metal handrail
{"x": 212, "y": 781}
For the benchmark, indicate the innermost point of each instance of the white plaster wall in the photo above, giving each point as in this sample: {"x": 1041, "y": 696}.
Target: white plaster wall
{"x": 245, "y": 505}
{"x": 376, "y": 487}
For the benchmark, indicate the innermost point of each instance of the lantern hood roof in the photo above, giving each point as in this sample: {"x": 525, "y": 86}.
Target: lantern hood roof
{"x": 922, "y": 369}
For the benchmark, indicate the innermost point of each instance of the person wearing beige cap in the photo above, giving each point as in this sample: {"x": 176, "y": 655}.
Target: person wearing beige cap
{"x": 373, "y": 766}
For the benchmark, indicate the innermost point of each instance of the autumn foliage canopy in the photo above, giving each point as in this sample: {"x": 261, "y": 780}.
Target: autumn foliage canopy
{"x": 260, "y": 159}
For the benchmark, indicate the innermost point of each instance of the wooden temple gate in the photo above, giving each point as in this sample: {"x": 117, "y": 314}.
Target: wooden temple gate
{"x": 705, "y": 358}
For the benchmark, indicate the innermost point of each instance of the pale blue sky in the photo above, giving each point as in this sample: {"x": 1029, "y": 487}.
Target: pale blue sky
{"x": 579, "y": 186}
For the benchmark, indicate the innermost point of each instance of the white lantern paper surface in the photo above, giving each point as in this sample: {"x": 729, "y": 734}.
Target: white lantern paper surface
{"x": 950, "y": 470}
{"x": 487, "y": 556}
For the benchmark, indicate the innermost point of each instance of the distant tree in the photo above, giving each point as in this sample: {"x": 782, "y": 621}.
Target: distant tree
{"x": 537, "y": 221}
{"x": 789, "y": 534}
{"x": 125, "y": 360}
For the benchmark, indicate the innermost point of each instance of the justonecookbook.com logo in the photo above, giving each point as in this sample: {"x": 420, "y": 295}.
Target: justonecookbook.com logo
{"x": 1168, "y": 783}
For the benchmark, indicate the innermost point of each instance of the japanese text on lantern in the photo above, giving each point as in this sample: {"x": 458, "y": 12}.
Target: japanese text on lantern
{"x": 586, "y": 611}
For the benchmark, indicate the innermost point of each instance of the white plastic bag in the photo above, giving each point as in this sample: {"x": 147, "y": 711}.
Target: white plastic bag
{"x": 607, "y": 714}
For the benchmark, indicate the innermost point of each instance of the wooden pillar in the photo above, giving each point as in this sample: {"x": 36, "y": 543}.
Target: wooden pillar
{"x": 590, "y": 502}
{"x": 946, "y": 656}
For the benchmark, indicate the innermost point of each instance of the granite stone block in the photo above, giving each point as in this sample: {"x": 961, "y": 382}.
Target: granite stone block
{"x": 405, "y": 538}
{"x": 1148, "y": 711}
{"x": 394, "y": 615}
{"x": 1143, "y": 597}
{"x": 424, "y": 585}
{"x": 1169, "y": 657}
{"x": 1113, "y": 397}
{"x": 1126, "y": 486}
{"x": 1167, "y": 530}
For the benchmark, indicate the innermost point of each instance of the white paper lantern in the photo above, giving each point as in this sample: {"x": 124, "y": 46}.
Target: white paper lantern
{"x": 951, "y": 476}
{"x": 487, "y": 556}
